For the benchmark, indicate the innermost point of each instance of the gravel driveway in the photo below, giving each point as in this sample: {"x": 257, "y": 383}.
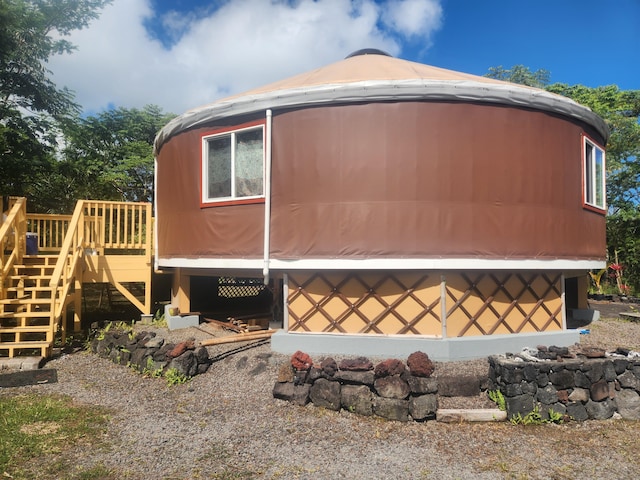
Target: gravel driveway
{"x": 225, "y": 424}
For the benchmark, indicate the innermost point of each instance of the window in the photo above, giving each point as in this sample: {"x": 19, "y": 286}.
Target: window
{"x": 233, "y": 166}
{"x": 594, "y": 178}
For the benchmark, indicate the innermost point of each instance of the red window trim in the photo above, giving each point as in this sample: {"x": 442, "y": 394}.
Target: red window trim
{"x": 585, "y": 205}
{"x": 233, "y": 201}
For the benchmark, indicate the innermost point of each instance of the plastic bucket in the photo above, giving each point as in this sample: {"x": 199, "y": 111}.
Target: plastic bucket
{"x": 32, "y": 243}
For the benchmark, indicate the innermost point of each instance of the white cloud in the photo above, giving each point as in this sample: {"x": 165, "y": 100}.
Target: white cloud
{"x": 412, "y": 18}
{"x": 241, "y": 45}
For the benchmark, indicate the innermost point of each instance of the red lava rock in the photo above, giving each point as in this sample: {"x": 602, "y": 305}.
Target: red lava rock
{"x": 563, "y": 396}
{"x": 420, "y": 365}
{"x": 329, "y": 366}
{"x": 301, "y": 361}
{"x": 360, "y": 364}
{"x": 181, "y": 348}
{"x": 389, "y": 367}
{"x": 599, "y": 391}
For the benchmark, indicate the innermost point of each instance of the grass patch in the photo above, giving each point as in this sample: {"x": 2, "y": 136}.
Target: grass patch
{"x": 38, "y": 429}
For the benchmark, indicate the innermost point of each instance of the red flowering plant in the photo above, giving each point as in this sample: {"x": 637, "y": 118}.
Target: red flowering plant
{"x": 616, "y": 274}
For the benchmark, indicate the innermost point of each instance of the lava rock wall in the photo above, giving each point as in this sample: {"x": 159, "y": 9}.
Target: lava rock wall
{"x": 580, "y": 388}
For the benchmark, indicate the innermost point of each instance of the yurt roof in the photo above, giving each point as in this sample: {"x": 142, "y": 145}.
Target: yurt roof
{"x": 371, "y": 75}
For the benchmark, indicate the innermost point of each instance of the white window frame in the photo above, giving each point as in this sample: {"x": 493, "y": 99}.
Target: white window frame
{"x": 233, "y": 198}
{"x": 593, "y": 172}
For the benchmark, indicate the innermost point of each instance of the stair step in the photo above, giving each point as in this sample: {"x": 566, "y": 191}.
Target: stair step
{"x": 13, "y": 349}
{"x": 28, "y": 300}
{"x": 27, "y": 329}
{"x": 25, "y": 315}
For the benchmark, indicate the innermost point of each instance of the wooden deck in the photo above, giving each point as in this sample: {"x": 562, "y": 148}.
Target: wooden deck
{"x": 46, "y": 259}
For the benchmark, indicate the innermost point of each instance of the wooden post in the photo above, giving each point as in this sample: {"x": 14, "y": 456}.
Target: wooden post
{"x": 181, "y": 290}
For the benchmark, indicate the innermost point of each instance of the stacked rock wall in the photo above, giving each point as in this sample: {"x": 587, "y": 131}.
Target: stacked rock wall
{"x": 581, "y": 388}
{"x": 390, "y": 389}
{"x": 147, "y": 352}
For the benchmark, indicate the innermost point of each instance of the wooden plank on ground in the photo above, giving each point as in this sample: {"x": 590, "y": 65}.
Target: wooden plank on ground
{"x": 227, "y": 325}
{"x": 240, "y": 337}
{"x": 633, "y": 316}
{"x": 28, "y": 377}
{"x": 456, "y": 415}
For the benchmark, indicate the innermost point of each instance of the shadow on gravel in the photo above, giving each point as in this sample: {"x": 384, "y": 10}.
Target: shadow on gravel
{"x": 243, "y": 348}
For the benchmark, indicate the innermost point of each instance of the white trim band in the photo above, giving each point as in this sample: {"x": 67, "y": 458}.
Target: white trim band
{"x": 383, "y": 264}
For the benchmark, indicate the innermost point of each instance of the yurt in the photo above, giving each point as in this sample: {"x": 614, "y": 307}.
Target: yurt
{"x": 396, "y": 206}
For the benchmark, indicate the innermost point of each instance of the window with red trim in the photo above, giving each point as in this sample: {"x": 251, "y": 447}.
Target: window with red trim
{"x": 594, "y": 175}
{"x": 233, "y": 165}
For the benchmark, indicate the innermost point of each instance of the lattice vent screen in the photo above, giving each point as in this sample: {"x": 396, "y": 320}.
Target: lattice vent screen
{"x": 378, "y": 303}
{"x": 490, "y": 303}
{"x": 411, "y": 303}
{"x": 232, "y": 287}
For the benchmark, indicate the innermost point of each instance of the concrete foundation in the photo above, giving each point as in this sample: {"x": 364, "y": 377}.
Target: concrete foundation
{"x": 396, "y": 346}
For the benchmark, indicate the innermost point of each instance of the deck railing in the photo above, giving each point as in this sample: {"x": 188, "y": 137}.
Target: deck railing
{"x": 12, "y": 239}
{"x": 50, "y": 230}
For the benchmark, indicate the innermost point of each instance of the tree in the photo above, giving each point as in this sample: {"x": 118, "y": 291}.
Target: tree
{"x": 31, "y": 104}
{"x": 520, "y": 74}
{"x": 621, "y": 111}
{"x": 110, "y": 155}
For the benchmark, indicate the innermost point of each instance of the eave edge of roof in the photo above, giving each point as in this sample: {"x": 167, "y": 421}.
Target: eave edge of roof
{"x": 377, "y": 91}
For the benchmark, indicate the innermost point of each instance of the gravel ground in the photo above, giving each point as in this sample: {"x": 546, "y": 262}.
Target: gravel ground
{"x": 225, "y": 424}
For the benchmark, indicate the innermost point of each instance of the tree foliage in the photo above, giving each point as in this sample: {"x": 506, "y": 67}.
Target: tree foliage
{"x": 621, "y": 111}
{"x": 520, "y": 74}
{"x": 110, "y": 155}
{"x": 30, "y": 102}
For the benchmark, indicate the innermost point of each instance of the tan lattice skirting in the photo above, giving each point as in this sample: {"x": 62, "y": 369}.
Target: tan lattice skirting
{"x": 410, "y": 303}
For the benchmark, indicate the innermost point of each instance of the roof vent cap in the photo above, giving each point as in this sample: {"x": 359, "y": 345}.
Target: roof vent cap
{"x": 367, "y": 51}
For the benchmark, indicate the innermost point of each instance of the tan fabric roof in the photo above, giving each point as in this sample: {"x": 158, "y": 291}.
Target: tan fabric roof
{"x": 367, "y": 68}
{"x": 372, "y": 77}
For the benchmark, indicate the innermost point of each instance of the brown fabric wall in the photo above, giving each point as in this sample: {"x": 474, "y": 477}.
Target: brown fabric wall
{"x": 187, "y": 230}
{"x": 410, "y": 179}
{"x": 417, "y": 179}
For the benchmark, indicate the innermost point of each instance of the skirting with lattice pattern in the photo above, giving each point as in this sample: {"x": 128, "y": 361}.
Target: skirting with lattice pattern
{"x": 424, "y": 303}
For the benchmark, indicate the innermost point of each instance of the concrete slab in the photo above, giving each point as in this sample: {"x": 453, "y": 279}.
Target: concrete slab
{"x": 21, "y": 363}
{"x": 401, "y": 346}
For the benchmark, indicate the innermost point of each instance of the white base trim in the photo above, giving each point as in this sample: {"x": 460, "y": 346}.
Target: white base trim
{"x": 383, "y": 264}
{"x": 401, "y": 346}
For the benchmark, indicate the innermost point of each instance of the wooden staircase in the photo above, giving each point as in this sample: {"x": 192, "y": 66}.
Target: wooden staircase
{"x": 27, "y": 314}
{"x": 102, "y": 242}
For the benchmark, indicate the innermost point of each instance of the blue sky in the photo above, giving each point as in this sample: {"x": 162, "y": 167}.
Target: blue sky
{"x": 180, "y": 54}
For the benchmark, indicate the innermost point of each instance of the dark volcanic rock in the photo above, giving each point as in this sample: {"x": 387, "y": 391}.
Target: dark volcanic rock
{"x": 389, "y": 367}
{"x": 283, "y": 391}
{"x": 600, "y": 410}
{"x": 392, "y": 387}
{"x": 357, "y": 399}
{"x": 423, "y": 407}
{"x": 421, "y": 385}
{"x": 329, "y": 366}
{"x": 325, "y": 393}
{"x": 459, "y": 386}
{"x": 360, "y": 364}
{"x": 355, "y": 378}
{"x": 186, "y": 364}
{"x": 391, "y": 409}
{"x": 628, "y": 402}
{"x": 301, "y": 394}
